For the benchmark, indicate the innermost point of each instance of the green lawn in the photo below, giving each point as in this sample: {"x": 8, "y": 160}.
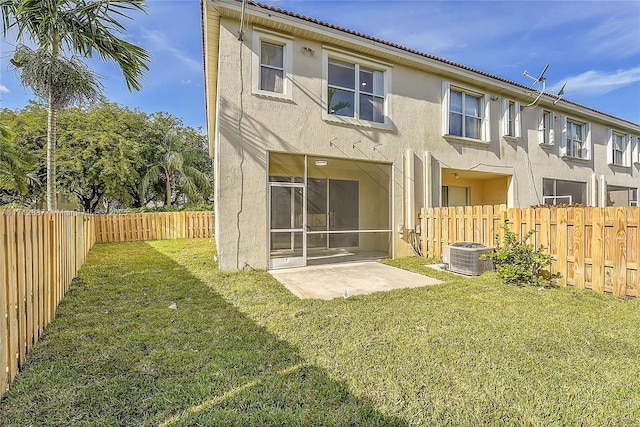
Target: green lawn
{"x": 241, "y": 350}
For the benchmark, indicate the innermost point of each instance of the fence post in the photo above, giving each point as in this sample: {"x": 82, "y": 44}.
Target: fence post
{"x": 597, "y": 248}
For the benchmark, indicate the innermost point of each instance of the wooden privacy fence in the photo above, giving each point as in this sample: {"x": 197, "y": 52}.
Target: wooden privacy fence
{"x": 153, "y": 226}
{"x": 591, "y": 248}
{"x": 40, "y": 253}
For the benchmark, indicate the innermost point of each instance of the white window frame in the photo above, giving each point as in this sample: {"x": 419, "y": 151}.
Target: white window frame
{"x": 259, "y": 36}
{"x": 485, "y": 99}
{"x": 358, "y": 61}
{"x": 564, "y": 146}
{"x": 506, "y": 119}
{"x": 625, "y": 160}
{"x": 635, "y": 140}
{"x": 546, "y": 136}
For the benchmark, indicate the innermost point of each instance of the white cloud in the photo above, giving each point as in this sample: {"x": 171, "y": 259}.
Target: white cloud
{"x": 159, "y": 42}
{"x": 4, "y": 89}
{"x": 615, "y": 37}
{"x": 598, "y": 82}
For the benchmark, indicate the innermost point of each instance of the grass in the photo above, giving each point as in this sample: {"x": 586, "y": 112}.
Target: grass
{"x": 241, "y": 350}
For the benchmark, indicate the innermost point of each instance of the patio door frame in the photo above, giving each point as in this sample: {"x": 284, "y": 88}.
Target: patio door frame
{"x": 289, "y": 261}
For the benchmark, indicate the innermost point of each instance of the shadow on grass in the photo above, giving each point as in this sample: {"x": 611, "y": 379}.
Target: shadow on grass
{"x": 118, "y": 355}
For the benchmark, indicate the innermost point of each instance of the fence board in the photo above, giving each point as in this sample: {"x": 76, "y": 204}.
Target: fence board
{"x": 561, "y": 241}
{"x": 12, "y": 296}
{"x": 620, "y": 254}
{"x": 22, "y": 289}
{"x": 4, "y": 308}
{"x": 577, "y": 247}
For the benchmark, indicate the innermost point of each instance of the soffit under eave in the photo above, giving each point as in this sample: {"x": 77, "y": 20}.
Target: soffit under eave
{"x": 210, "y": 16}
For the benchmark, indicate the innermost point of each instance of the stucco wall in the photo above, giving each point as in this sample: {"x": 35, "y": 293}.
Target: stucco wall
{"x": 249, "y": 126}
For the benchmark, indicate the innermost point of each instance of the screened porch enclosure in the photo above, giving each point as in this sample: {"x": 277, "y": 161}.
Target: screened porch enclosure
{"x": 324, "y": 210}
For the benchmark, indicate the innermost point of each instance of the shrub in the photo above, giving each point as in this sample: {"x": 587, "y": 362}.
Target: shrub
{"x": 519, "y": 263}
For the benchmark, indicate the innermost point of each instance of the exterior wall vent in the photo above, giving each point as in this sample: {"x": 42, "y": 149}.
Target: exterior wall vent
{"x": 464, "y": 258}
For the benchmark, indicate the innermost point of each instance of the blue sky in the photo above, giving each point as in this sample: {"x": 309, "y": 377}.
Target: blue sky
{"x": 594, "y": 46}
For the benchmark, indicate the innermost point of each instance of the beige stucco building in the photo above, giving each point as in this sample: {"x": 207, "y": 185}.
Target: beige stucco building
{"x": 328, "y": 142}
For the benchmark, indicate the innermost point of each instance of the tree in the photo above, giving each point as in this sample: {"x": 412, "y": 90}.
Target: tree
{"x": 29, "y": 127}
{"x": 15, "y": 164}
{"x": 180, "y": 166}
{"x": 60, "y": 27}
{"x": 105, "y": 152}
{"x": 98, "y": 149}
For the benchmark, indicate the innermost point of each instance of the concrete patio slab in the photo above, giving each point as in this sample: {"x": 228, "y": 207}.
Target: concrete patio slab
{"x": 357, "y": 278}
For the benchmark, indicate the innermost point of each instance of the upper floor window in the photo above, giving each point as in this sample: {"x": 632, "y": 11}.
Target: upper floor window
{"x": 271, "y": 67}
{"x": 510, "y": 118}
{"x": 272, "y": 63}
{"x": 576, "y": 139}
{"x": 619, "y": 149}
{"x": 465, "y": 113}
{"x": 356, "y": 90}
{"x": 545, "y": 127}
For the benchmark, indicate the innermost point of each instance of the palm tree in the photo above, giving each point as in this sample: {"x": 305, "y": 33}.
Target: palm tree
{"x": 176, "y": 168}
{"x": 60, "y": 27}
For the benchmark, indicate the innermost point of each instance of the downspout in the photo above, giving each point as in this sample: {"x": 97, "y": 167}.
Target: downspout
{"x": 409, "y": 195}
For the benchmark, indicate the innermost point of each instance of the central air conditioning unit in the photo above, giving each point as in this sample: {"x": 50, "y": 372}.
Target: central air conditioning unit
{"x": 464, "y": 258}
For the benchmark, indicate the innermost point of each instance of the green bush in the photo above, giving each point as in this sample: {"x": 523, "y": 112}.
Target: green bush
{"x": 519, "y": 263}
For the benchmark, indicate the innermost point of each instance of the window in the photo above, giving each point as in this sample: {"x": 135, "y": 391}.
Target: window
{"x": 510, "y": 118}
{"x": 545, "y": 127}
{"x": 465, "y": 117}
{"x": 271, "y": 67}
{"x": 619, "y": 149}
{"x": 576, "y": 139}
{"x": 622, "y": 196}
{"x": 556, "y": 191}
{"x": 272, "y": 59}
{"x": 465, "y": 113}
{"x": 455, "y": 196}
{"x": 356, "y": 90}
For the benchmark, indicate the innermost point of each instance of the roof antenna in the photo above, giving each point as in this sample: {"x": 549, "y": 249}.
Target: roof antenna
{"x": 560, "y": 94}
{"x": 540, "y": 80}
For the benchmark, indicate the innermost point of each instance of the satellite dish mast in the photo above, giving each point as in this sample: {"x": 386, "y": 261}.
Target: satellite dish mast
{"x": 540, "y": 80}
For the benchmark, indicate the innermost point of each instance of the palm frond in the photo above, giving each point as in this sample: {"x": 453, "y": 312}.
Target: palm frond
{"x": 81, "y": 27}
{"x": 67, "y": 80}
